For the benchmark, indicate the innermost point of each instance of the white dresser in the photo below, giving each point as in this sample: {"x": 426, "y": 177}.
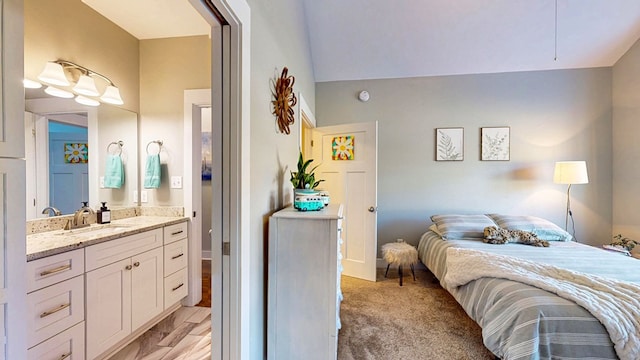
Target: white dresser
{"x": 304, "y": 295}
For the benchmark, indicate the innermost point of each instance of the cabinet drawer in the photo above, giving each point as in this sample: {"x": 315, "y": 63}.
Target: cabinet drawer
{"x": 68, "y": 345}
{"x": 54, "y": 309}
{"x": 175, "y": 288}
{"x": 53, "y": 269}
{"x": 115, "y": 250}
{"x": 175, "y": 257}
{"x": 175, "y": 232}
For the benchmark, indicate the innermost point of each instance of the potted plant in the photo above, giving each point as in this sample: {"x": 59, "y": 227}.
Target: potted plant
{"x": 624, "y": 242}
{"x": 303, "y": 181}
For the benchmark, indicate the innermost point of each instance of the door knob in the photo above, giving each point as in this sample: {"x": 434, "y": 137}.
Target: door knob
{"x": 372, "y": 209}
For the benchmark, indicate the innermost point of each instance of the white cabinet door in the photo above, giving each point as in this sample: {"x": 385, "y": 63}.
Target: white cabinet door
{"x": 108, "y": 317}
{"x": 147, "y": 281}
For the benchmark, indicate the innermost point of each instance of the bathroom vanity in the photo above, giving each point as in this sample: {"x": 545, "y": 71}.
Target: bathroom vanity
{"x": 93, "y": 290}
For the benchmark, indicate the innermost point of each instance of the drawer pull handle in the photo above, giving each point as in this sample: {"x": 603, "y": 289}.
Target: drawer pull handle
{"x": 177, "y": 232}
{"x": 177, "y": 256}
{"x": 177, "y": 287}
{"x": 56, "y": 270}
{"x": 53, "y": 311}
{"x": 65, "y": 356}
{"x": 128, "y": 267}
{"x": 136, "y": 264}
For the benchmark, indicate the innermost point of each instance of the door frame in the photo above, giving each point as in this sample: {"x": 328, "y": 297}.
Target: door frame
{"x": 231, "y": 318}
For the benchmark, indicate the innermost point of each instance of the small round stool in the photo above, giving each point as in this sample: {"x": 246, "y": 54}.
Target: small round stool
{"x": 401, "y": 254}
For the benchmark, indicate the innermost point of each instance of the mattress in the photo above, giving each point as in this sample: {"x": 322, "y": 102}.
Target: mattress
{"x": 524, "y": 322}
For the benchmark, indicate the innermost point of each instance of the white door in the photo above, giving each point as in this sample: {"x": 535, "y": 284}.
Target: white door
{"x": 348, "y": 158}
{"x": 147, "y": 280}
{"x": 108, "y": 308}
{"x": 68, "y": 179}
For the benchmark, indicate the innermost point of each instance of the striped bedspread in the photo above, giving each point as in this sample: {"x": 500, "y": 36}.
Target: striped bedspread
{"x": 523, "y": 322}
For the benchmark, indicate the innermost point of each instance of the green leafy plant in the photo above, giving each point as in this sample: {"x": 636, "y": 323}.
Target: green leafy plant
{"x": 302, "y": 179}
{"x": 624, "y": 242}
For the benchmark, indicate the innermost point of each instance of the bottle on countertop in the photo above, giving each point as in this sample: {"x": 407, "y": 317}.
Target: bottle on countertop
{"x": 104, "y": 214}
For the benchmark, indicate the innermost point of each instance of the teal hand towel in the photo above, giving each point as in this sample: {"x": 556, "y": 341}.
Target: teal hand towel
{"x": 152, "y": 172}
{"x": 114, "y": 172}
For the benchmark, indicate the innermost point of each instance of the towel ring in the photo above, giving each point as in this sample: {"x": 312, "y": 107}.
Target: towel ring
{"x": 118, "y": 143}
{"x": 159, "y": 142}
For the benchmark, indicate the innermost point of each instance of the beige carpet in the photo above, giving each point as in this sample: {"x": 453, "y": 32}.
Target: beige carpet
{"x": 419, "y": 320}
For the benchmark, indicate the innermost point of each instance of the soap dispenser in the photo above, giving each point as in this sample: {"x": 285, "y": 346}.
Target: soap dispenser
{"x": 104, "y": 214}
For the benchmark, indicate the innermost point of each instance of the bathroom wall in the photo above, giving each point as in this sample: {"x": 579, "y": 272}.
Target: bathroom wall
{"x": 70, "y": 30}
{"x": 167, "y": 68}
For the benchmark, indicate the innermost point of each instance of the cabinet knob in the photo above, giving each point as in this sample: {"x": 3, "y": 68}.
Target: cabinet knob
{"x": 136, "y": 264}
{"x": 372, "y": 209}
{"x": 128, "y": 267}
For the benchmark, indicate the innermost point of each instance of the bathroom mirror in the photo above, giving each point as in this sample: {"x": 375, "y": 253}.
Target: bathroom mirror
{"x": 59, "y": 171}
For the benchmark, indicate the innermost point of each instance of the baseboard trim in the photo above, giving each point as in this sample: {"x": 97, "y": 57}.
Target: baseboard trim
{"x": 206, "y": 254}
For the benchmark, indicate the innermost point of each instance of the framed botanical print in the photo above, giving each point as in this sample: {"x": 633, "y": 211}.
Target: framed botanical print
{"x": 495, "y": 143}
{"x": 450, "y": 144}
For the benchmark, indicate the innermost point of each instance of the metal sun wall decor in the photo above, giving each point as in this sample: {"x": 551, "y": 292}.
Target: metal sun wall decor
{"x": 495, "y": 143}
{"x": 342, "y": 147}
{"x": 76, "y": 153}
{"x": 449, "y": 144}
{"x": 284, "y": 100}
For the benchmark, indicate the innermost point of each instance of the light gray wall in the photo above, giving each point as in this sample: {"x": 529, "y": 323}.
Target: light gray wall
{"x": 553, "y": 115}
{"x": 278, "y": 39}
{"x": 626, "y": 147}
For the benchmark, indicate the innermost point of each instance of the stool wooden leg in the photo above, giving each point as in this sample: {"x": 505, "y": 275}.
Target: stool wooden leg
{"x": 400, "y": 273}
{"x": 385, "y": 273}
{"x": 413, "y": 272}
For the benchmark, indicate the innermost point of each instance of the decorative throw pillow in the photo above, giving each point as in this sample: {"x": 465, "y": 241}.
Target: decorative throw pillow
{"x": 544, "y": 229}
{"x": 455, "y": 227}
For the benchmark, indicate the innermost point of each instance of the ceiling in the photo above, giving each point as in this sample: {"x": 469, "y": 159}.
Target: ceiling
{"x": 374, "y": 39}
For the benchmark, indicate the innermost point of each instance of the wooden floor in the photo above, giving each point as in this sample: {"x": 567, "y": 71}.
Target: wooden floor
{"x": 183, "y": 335}
{"x": 206, "y": 284}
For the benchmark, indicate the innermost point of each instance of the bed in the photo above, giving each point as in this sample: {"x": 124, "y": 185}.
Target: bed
{"x": 521, "y": 321}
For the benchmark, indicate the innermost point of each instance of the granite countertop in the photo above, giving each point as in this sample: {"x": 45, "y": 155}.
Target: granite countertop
{"x": 59, "y": 241}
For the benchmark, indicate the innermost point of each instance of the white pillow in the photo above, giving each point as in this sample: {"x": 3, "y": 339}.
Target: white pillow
{"x": 456, "y": 227}
{"x": 544, "y": 229}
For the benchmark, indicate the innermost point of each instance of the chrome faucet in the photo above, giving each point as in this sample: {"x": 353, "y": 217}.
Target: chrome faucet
{"x": 78, "y": 220}
{"x": 56, "y": 212}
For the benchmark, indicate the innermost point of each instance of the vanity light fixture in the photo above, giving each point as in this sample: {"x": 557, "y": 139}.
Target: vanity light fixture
{"x": 54, "y": 74}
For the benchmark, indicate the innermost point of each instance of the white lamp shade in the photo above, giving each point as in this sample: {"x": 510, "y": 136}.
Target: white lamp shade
{"x": 571, "y": 172}
{"x": 31, "y": 84}
{"x": 87, "y": 101}
{"x": 54, "y": 91}
{"x": 86, "y": 86}
{"x": 53, "y": 74}
{"x": 112, "y": 96}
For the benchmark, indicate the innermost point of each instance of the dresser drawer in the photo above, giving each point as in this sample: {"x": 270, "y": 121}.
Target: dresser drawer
{"x": 175, "y": 232}
{"x": 53, "y": 269}
{"x": 112, "y": 251}
{"x": 68, "y": 345}
{"x": 175, "y": 288}
{"x": 54, "y": 309}
{"x": 175, "y": 257}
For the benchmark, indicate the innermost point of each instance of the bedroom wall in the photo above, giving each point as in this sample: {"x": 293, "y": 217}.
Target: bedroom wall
{"x": 553, "y": 115}
{"x": 278, "y": 39}
{"x": 626, "y": 167}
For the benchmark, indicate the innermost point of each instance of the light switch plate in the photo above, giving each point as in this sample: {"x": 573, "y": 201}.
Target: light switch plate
{"x": 143, "y": 196}
{"x": 176, "y": 182}
{"x": 101, "y": 182}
